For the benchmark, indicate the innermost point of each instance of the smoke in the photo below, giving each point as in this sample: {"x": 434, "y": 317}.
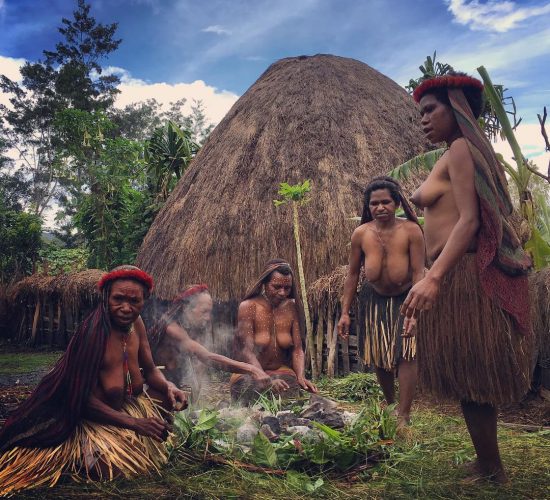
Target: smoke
{"x": 180, "y": 367}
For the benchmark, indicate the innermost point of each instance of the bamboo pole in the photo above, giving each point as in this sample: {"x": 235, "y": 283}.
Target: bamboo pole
{"x": 320, "y": 338}
{"x": 332, "y": 352}
{"x": 309, "y": 330}
{"x": 35, "y": 320}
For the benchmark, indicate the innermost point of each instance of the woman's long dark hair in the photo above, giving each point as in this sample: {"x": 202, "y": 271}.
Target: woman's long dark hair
{"x": 389, "y": 183}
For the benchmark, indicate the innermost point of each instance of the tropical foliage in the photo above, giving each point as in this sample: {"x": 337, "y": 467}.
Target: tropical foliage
{"x": 20, "y": 242}
{"x": 168, "y": 154}
{"x": 108, "y": 170}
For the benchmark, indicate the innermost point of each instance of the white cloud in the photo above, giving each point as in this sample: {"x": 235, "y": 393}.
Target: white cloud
{"x": 498, "y": 55}
{"x": 10, "y": 66}
{"x": 494, "y": 15}
{"x": 219, "y": 30}
{"x": 216, "y": 103}
{"x": 531, "y": 143}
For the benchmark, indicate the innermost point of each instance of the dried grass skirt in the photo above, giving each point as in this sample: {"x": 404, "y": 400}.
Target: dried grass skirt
{"x": 380, "y": 328}
{"x": 468, "y": 347}
{"x": 94, "y": 451}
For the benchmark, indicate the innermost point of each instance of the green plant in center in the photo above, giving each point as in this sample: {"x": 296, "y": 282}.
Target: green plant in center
{"x": 297, "y": 196}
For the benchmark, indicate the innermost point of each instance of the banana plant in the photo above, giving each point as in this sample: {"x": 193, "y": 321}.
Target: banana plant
{"x": 520, "y": 175}
{"x": 421, "y": 163}
{"x": 297, "y": 196}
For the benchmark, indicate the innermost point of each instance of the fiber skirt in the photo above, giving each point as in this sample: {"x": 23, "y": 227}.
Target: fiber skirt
{"x": 94, "y": 451}
{"x": 380, "y": 327}
{"x": 468, "y": 347}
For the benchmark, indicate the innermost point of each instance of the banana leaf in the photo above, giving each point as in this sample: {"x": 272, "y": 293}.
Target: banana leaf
{"x": 422, "y": 163}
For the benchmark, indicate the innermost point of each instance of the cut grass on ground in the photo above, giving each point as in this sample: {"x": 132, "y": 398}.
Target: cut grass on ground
{"x": 423, "y": 464}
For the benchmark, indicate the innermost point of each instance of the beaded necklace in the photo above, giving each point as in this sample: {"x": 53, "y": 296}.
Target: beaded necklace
{"x": 125, "y": 367}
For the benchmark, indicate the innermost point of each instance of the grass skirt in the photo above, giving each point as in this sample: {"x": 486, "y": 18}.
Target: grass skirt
{"x": 468, "y": 347}
{"x": 94, "y": 451}
{"x": 380, "y": 328}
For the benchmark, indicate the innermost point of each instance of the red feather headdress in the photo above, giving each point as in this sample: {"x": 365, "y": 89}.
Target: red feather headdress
{"x": 192, "y": 290}
{"x": 446, "y": 81}
{"x": 129, "y": 273}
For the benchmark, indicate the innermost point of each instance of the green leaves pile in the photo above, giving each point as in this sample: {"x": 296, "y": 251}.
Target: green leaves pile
{"x": 365, "y": 439}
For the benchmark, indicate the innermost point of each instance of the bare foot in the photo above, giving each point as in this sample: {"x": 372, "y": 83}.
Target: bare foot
{"x": 476, "y": 473}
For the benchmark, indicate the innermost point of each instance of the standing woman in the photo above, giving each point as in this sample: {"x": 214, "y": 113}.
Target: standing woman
{"x": 391, "y": 251}
{"x": 473, "y": 341}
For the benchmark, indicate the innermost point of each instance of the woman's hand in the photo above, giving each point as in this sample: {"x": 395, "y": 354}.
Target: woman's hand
{"x": 261, "y": 377}
{"x": 177, "y": 398}
{"x": 307, "y": 385}
{"x": 279, "y": 385}
{"x": 152, "y": 427}
{"x": 409, "y": 327}
{"x": 343, "y": 326}
{"x": 421, "y": 297}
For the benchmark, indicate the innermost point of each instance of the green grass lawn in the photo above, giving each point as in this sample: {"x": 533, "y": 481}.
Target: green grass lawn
{"x": 26, "y": 362}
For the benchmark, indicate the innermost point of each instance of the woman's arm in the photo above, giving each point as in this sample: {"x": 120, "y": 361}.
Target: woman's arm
{"x": 350, "y": 285}
{"x": 97, "y": 411}
{"x": 417, "y": 252}
{"x": 190, "y": 346}
{"x": 153, "y": 376}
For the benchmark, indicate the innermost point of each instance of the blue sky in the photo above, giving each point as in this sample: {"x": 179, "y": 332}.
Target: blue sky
{"x": 215, "y": 49}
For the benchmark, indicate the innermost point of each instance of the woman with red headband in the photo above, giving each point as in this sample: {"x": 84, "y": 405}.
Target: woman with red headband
{"x": 473, "y": 328}
{"x": 179, "y": 337}
{"x": 90, "y": 414}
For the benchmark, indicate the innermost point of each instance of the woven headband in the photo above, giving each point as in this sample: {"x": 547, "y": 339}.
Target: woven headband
{"x": 191, "y": 291}
{"x": 121, "y": 274}
{"x": 448, "y": 81}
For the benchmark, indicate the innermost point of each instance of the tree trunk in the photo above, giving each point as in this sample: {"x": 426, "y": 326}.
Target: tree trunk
{"x": 310, "y": 341}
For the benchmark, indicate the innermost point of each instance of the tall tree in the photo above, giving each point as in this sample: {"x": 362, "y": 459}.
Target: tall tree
{"x": 69, "y": 76}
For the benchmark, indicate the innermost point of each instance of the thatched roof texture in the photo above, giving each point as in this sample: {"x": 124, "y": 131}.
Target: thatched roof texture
{"x": 71, "y": 288}
{"x": 330, "y": 119}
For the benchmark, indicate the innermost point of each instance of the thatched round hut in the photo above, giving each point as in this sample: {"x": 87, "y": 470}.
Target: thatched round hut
{"x": 48, "y": 309}
{"x": 330, "y": 119}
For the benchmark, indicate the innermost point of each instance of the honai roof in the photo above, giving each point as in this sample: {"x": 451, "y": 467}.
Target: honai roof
{"x": 333, "y": 120}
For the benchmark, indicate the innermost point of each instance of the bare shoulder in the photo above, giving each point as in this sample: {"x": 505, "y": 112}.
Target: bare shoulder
{"x": 290, "y": 304}
{"x": 412, "y": 228}
{"x": 459, "y": 150}
{"x": 248, "y": 306}
{"x": 358, "y": 231}
{"x": 139, "y": 326}
{"x": 175, "y": 331}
